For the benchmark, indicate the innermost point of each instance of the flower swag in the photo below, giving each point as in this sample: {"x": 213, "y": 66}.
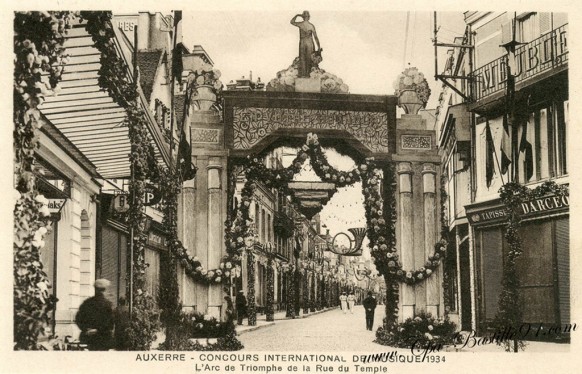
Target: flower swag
{"x": 380, "y": 213}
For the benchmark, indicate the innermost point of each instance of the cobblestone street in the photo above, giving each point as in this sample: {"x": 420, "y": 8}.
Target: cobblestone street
{"x": 328, "y": 331}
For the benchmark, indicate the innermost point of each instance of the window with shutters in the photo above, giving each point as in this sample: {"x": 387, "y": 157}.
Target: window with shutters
{"x": 562, "y": 227}
{"x": 490, "y": 248}
{"x": 542, "y": 143}
{"x": 114, "y": 261}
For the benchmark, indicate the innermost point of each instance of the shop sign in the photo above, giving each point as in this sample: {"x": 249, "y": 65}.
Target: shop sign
{"x": 152, "y": 195}
{"x": 121, "y": 203}
{"x": 155, "y": 239}
{"x": 540, "y": 206}
{"x": 55, "y": 205}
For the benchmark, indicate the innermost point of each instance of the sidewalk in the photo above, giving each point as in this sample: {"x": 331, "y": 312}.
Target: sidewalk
{"x": 281, "y": 315}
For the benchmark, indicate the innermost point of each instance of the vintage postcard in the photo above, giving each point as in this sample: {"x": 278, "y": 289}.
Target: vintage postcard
{"x": 297, "y": 188}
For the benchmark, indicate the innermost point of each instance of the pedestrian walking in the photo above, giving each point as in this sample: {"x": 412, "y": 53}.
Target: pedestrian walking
{"x": 95, "y": 319}
{"x": 344, "y": 302}
{"x": 369, "y": 307}
{"x": 241, "y": 306}
{"x": 351, "y": 301}
{"x": 122, "y": 321}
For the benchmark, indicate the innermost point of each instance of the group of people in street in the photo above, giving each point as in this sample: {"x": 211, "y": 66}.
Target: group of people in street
{"x": 347, "y": 302}
{"x": 102, "y": 327}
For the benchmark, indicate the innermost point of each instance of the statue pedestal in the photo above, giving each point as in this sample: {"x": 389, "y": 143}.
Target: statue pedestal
{"x": 307, "y": 85}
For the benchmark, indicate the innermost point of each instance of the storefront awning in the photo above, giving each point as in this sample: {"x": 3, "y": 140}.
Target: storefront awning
{"x": 87, "y": 115}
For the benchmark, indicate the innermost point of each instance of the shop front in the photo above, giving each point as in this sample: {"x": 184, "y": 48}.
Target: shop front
{"x": 543, "y": 268}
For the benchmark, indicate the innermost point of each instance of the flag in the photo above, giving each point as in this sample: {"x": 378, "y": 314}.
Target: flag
{"x": 526, "y": 149}
{"x": 505, "y": 146}
{"x": 489, "y": 154}
{"x": 177, "y": 66}
{"x": 184, "y": 156}
{"x": 187, "y": 168}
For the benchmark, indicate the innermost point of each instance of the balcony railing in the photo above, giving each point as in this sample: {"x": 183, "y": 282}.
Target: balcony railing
{"x": 549, "y": 51}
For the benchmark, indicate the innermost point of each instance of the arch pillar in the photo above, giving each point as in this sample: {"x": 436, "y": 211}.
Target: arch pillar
{"x": 203, "y": 209}
{"x": 416, "y": 162}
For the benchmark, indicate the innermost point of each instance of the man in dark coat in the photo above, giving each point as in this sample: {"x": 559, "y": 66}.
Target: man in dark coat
{"x": 95, "y": 319}
{"x": 369, "y": 306}
{"x": 241, "y": 306}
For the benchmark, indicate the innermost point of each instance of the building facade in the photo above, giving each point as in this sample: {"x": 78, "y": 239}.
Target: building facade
{"x": 508, "y": 122}
{"x": 84, "y": 166}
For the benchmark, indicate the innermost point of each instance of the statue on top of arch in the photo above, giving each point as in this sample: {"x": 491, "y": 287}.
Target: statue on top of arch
{"x": 307, "y": 64}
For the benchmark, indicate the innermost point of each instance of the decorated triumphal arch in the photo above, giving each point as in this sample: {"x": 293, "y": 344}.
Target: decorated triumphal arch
{"x": 397, "y": 164}
{"x": 310, "y": 109}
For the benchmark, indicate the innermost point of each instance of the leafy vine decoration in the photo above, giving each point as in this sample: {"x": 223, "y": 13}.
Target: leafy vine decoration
{"x": 510, "y": 312}
{"x": 38, "y": 49}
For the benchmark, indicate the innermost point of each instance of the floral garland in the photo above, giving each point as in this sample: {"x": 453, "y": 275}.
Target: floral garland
{"x": 305, "y": 285}
{"x": 313, "y": 296}
{"x": 291, "y": 293}
{"x": 269, "y": 311}
{"x": 380, "y": 213}
{"x": 38, "y": 48}
{"x": 251, "y": 303}
{"x": 512, "y": 195}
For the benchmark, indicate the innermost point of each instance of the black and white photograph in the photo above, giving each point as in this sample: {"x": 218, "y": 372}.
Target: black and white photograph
{"x": 296, "y": 188}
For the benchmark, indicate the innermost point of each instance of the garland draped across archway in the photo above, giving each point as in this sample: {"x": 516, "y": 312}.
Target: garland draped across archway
{"x": 380, "y": 212}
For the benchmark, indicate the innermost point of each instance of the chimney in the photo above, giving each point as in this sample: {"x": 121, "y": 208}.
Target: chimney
{"x": 251, "y": 75}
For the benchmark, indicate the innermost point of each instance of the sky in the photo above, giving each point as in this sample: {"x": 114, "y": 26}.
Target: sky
{"x": 366, "y": 49}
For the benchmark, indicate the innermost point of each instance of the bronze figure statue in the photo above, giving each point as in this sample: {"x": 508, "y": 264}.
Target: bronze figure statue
{"x": 306, "y": 46}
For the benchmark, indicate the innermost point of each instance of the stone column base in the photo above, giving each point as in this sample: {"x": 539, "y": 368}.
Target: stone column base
{"x": 307, "y": 85}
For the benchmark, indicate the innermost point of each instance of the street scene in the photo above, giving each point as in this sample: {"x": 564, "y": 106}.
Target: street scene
{"x": 177, "y": 188}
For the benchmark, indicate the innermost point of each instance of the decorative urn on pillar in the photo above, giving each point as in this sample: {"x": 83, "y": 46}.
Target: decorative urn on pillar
{"x": 205, "y": 84}
{"x": 412, "y": 90}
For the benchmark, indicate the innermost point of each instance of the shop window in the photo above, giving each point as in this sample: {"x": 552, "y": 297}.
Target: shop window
{"x": 491, "y": 269}
{"x": 114, "y": 261}
{"x": 535, "y": 272}
{"x": 152, "y": 258}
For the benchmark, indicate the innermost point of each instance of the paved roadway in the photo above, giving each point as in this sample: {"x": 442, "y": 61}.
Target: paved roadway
{"x": 323, "y": 332}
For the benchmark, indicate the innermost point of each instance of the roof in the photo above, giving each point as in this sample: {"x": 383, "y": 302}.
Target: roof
{"x": 148, "y": 62}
